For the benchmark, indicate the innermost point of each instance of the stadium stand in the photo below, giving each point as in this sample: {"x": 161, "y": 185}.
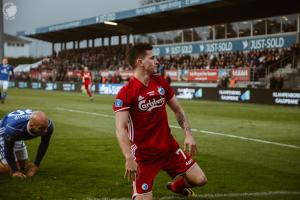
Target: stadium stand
{"x": 67, "y": 65}
{"x": 233, "y": 41}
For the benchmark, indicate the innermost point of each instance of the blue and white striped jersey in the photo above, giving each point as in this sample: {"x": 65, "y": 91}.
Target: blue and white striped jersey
{"x": 5, "y": 72}
{"x": 14, "y": 127}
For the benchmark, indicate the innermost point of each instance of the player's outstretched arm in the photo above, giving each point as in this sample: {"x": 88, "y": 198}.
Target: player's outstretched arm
{"x": 4, "y": 168}
{"x": 189, "y": 143}
{"x": 131, "y": 167}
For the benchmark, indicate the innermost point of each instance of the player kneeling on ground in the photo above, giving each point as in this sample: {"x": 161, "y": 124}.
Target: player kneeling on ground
{"x": 16, "y": 127}
{"x": 144, "y": 134}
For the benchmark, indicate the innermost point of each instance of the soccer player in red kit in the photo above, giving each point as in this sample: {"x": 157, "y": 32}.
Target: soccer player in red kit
{"x": 87, "y": 80}
{"x": 143, "y": 132}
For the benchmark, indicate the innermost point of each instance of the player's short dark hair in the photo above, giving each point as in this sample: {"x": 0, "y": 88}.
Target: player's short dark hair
{"x": 137, "y": 51}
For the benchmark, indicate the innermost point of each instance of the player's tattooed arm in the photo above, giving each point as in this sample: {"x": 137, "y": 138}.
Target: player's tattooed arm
{"x": 180, "y": 115}
{"x": 183, "y": 121}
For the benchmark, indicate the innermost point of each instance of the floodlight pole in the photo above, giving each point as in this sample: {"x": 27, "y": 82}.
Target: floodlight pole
{"x": 1, "y": 31}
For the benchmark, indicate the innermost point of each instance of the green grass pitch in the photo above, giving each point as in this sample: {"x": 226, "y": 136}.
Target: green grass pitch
{"x": 84, "y": 160}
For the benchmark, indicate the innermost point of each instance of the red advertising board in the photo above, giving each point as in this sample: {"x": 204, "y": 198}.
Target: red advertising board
{"x": 241, "y": 74}
{"x": 173, "y": 74}
{"x": 126, "y": 74}
{"x": 203, "y": 75}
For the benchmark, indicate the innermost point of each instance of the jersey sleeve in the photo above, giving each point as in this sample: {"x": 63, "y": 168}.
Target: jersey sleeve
{"x": 170, "y": 91}
{"x": 10, "y": 136}
{"x": 121, "y": 102}
{"x": 45, "y": 140}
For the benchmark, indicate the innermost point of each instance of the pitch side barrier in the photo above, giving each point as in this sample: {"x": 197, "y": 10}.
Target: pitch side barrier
{"x": 243, "y": 95}
{"x": 109, "y": 89}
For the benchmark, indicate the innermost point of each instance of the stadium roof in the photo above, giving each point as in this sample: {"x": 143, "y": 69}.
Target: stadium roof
{"x": 11, "y": 38}
{"x": 170, "y": 15}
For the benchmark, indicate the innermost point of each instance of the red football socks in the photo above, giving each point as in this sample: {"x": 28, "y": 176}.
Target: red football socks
{"x": 179, "y": 185}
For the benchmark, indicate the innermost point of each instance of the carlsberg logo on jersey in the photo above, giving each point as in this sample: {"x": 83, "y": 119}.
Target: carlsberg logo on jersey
{"x": 148, "y": 105}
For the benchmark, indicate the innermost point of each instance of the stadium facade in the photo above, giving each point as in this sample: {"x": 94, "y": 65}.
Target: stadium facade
{"x": 205, "y": 25}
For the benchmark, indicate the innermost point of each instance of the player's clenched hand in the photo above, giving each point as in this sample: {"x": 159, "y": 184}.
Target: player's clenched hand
{"x": 131, "y": 169}
{"x": 18, "y": 175}
{"x": 31, "y": 169}
{"x": 190, "y": 145}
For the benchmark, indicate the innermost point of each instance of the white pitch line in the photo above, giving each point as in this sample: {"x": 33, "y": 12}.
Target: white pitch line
{"x": 212, "y": 196}
{"x": 241, "y": 137}
{"x": 83, "y": 112}
{"x": 194, "y": 130}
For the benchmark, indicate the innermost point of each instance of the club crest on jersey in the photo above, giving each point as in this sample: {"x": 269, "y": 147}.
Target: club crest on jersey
{"x": 118, "y": 103}
{"x": 145, "y": 186}
{"x": 161, "y": 90}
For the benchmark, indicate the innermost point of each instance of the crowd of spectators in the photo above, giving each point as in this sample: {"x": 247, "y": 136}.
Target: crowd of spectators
{"x": 228, "y": 60}
{"x": 68, "y": 64}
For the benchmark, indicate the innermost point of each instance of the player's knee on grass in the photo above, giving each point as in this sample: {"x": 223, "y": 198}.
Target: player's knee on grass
{"x": 195, "y": 176}
{"x": 147, "y": 196}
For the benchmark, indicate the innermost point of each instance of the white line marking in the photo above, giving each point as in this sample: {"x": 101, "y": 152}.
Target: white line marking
{"x": 226, "y": 195}
{"x": 88, "y": 113}
{"x": 241, "y": 137}
{"x": 194, "y": 130}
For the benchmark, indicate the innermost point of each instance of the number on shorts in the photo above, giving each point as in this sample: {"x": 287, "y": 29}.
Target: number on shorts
{"x": 179, "y": 151}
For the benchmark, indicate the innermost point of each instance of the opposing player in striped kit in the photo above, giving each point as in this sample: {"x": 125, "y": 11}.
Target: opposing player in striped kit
{"x": 6, "y": 70}
{"x": 15, "y": 127}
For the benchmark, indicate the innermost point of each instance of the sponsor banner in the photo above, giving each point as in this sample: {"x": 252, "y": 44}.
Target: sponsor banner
{"x": 242, "y": 74}
{"x": 244, "y": 95}
{"x": 93, "y": 88}
{"x": 36, "y": 85}
{"x": 234, "y": 95}
{"x": 242, "y": 44}
{"x": 22, "y": 84}
{"x": 173, "y": 74}
{"x": 11, "y": 84}
{"x": 110, "y": 89}
{"x": 188, "y": 93}
{"x": 51, "y": 86}
{"x": 259, "y": 96}
{"x": 212, "y": 75}
{"x": 68, "y": 87}
{"x": 204, "y": 75}
{"x": 286, "y": 98}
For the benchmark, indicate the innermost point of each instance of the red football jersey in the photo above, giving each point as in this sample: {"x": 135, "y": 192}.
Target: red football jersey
{"x": 87, "y": 76}
{"x": 148, "y": 127}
